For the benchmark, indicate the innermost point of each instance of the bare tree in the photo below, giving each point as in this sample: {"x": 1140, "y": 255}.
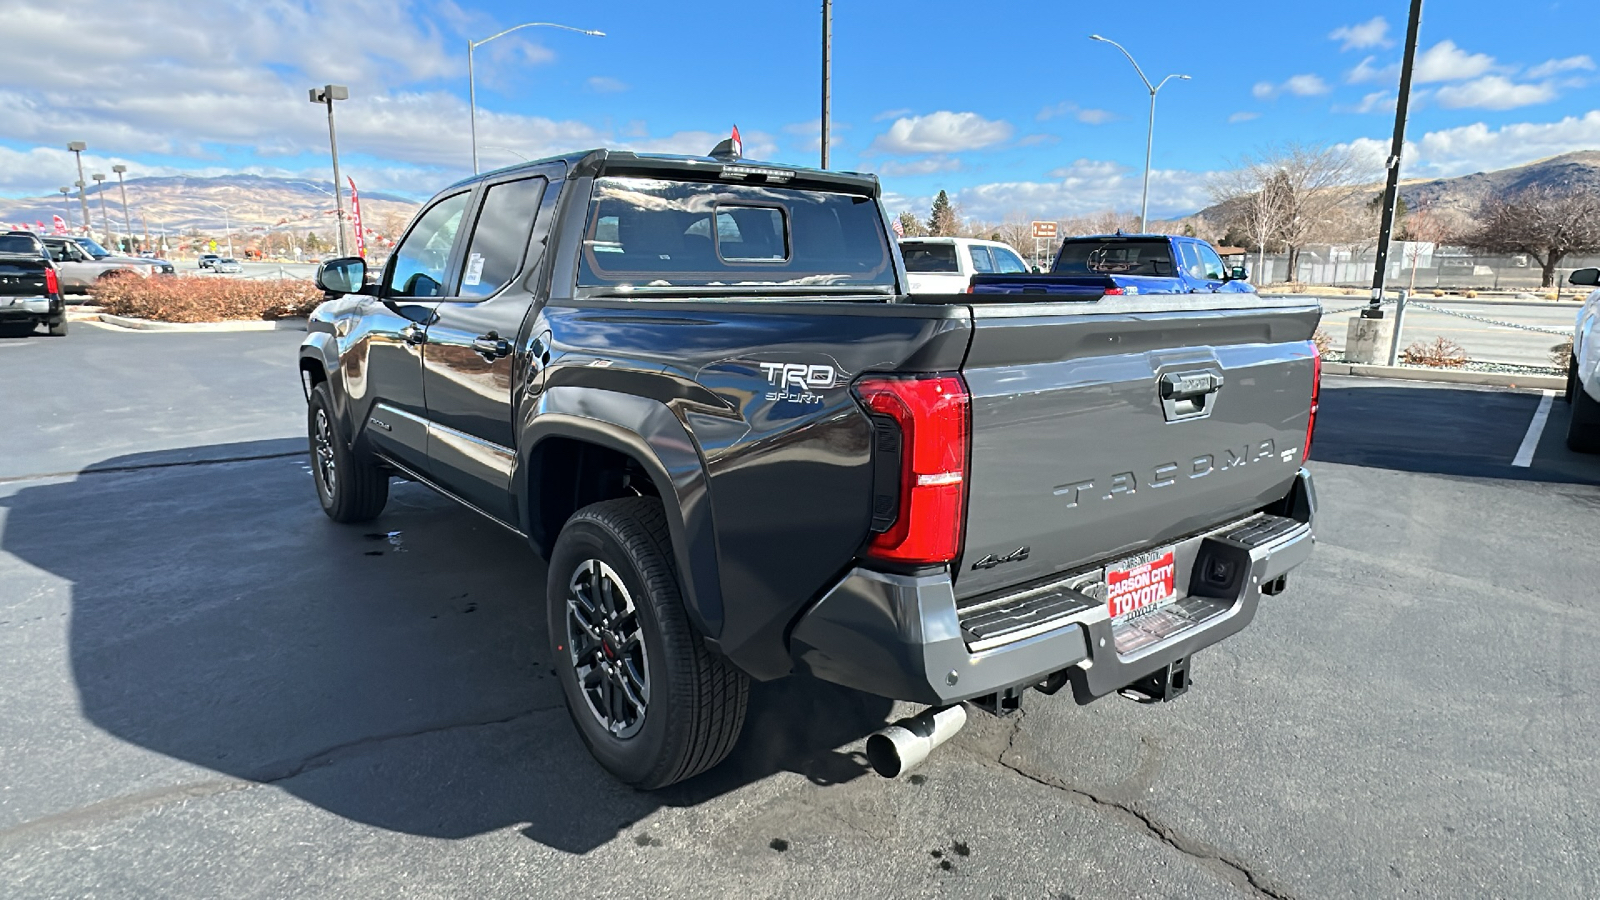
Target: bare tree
{"x": 1547, "y": 223}
{"x": 1293, "y": 194}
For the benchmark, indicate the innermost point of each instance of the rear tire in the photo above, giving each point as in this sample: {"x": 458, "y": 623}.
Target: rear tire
{"x": 652, "y": 704}
{"x": 1572, "y": 379}
{"x": 351, "y": 489}
{"x": 1583, "y": 432}
{"x": 58, "y": 328}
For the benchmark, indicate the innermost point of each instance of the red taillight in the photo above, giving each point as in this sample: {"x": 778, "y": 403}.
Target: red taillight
{"x": 1113, "y": 292}
{"x": 51, "y": 284}
{"x": 1316, "y": 391}
{"x": 932, "y": 412}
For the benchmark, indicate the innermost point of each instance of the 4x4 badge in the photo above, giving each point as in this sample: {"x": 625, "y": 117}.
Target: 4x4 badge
{"x": 990, "y": 561}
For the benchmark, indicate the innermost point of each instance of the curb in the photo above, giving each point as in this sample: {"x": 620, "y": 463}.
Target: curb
{"x": 1572, "y": 303}
{"x": 1449, "y": 376}
{"x": 291, "y": 324}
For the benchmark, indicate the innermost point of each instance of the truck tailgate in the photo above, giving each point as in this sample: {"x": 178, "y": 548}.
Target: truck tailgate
{"x": 1102, "y": 432}
{"x": 22, "y": 277}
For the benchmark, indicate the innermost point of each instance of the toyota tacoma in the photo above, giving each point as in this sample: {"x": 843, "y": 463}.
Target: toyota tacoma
{"x": 699, "y": 388}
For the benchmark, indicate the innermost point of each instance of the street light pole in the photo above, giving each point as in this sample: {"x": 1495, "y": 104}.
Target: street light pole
{"x": 105, "y": 218}
{"x": 127, "y": 221}
{"x": 1391, "y": 188}
{"x": 327, "y": 94}
{"x": 77, "y": 148}
{"x": 66, "y": 201}
{"x": 827, "y": 75}
{"x": 472, "y": 82}
{"x": 1150, "y": 133}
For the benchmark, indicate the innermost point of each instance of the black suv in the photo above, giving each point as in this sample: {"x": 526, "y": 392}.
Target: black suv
{"x": 30, "y": 289}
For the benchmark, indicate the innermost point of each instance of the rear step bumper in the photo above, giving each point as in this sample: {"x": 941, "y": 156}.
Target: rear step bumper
{"x": 903, "y": 637}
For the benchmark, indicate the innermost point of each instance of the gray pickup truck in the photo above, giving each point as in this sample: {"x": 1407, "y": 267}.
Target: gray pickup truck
{"x": 81, "y": 262}
{"x": 698, "y": 386}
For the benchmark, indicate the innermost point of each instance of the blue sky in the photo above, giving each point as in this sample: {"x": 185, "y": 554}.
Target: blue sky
{"x": 1009, "y": 106}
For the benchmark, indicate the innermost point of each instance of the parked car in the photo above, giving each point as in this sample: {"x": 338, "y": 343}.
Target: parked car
{"x": 945, "y": 265}
{"x": 1112, "y": 264}
{"x": 939, "y": 498}
{"x": 207, "y": 260}
{"x": 30, "y": 288}
{"x": 1583, "y": 371}
{"x": 227, "y": 265}
{"x": 81, "y": 262}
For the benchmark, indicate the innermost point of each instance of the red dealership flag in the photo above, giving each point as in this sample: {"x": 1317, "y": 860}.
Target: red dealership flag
{"x": 60, "y": 226}
{"x": 355, "y": 210}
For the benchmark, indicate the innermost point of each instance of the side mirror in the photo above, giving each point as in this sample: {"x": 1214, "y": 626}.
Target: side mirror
{"x": 1237, "y": 273}
{"x": 342, "y": 276}
{"x": 1585, "y": 277}
{"x": 1037, "y": 270}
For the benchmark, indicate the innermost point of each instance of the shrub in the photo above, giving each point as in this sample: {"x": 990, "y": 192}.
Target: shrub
{"x": 1550, "y": 296}
{"x": 207, "y": 299}
{"x": 1324, "y": 342}
{"x": 1561, "y": 355}
{"x": 1470, "y": 295}
{"x": 1441, "y": 353}
{"x": 1438, "y": 293}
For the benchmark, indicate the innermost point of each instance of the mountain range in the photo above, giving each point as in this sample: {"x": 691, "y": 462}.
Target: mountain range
{"x": 179, "y": 204}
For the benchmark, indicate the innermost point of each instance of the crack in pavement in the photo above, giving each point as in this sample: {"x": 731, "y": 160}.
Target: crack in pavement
{"x": 114, "y": 808}
{"x": 1232, "y": 870}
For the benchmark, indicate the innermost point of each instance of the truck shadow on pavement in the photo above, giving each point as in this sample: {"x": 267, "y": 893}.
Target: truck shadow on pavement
{"x": 394, "y": 673}
{"x": 1445, "y": 431}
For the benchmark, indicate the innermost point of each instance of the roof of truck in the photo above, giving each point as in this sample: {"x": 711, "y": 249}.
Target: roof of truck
{"x": 601, "y": 160}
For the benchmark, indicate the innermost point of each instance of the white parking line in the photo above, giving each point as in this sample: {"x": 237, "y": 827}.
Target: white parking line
{"x": 1530, "y": 441}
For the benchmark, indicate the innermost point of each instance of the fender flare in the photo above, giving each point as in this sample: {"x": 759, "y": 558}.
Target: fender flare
{"x": 648, "y": 431}
{"x": 323, "y": 349}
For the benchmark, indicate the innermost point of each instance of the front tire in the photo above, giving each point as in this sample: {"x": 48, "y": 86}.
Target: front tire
{"x": 350, "y": 488}
{"x": 1572, "y": 378}
{"x": 652, "y": 704}
{"x": 1583, "y": 431}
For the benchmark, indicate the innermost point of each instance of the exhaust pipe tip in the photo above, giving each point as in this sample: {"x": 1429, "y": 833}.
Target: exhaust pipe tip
{"x": 903, "y": 746}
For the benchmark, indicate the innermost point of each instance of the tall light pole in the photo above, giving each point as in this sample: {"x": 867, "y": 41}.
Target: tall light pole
{"x": 327, "y": 94}
{"x": 105, "y": 218}
{"x": 66, "y": 201}
{"x": 127, "y": 220}
{"x": 472, "y": 83}
{"x": 1391, "y": 188}
{"x": 77, "y": 148}
{"x": 827, "y": 75}
{"x": 1150, "y": 134}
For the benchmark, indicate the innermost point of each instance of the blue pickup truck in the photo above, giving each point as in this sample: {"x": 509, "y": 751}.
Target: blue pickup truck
{"x": 1112, "y": 264}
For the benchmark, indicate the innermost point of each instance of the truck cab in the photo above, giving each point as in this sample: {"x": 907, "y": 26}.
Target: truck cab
{"x": 1120, "y": 263}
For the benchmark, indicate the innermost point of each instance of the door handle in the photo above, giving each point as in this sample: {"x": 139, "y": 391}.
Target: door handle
{"x": 414, "y": 334}
{"x": 491, "y": 346}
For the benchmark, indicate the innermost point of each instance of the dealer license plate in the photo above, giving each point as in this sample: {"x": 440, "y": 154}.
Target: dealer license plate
{"x": 1140, "y": 586}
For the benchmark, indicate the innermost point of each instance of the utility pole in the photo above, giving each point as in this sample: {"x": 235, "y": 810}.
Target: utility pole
{"x": 472, "y": 81}
{"x": 66, "y": 201}
{"x": 1391, "y": 190}
{"x": 327, "y": 94}
{"x": 1150, "y": 132}
{"x": 77, "y": 148}
{"x": 122, "y": 186}
{"x": 827, "y": 75}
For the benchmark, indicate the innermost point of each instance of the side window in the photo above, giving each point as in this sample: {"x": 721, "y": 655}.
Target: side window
{"x": 980, "y": 260}
{"x": 1006, "y": 261}
{"x": 1211, "y": 263}
{"x": 420, "y": 260}
{"x": 1191, "y": 261}
{"x": 500, "y": 237}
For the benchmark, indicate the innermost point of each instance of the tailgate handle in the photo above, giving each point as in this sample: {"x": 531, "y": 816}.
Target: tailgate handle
{"x": 1189, "y": 395}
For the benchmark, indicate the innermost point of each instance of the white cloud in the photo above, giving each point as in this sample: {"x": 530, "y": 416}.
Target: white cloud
{"x": 1366, "y": 71}
{"x": 1494, "y": 92}
{"x": 1372, "y": 33}
{"x": 604, "y": 84}
{"x": 811, "y": 133}
{"x": 891, "y": 114}
{"x": 1243, "y": 117}
{"x": 1377, "y": 101}
{"x": 1556, "y": 66}
{"x": 942, "y": 132}
{"x": 1088, "y": 186}
{"x": 1479, "y": 148}
{"x": 1030, "y": 140}
{"x": 1308, "y": 85}
{"x": 1068, "y": 108}
{"x": 929, "y": 166}
{"x": 1445, "y": 61}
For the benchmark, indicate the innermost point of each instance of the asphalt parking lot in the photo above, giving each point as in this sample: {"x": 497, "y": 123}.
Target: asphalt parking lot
{"x": 211, "y": 690}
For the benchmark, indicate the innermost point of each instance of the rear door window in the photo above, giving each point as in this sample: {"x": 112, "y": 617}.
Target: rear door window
{"x": 500, "y": 237}
{"x": 981, "y": 261}
{"x": 1115, "y": 256}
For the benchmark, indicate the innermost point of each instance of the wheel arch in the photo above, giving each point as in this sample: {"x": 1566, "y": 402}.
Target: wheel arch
{"x": 576, "y": 443}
